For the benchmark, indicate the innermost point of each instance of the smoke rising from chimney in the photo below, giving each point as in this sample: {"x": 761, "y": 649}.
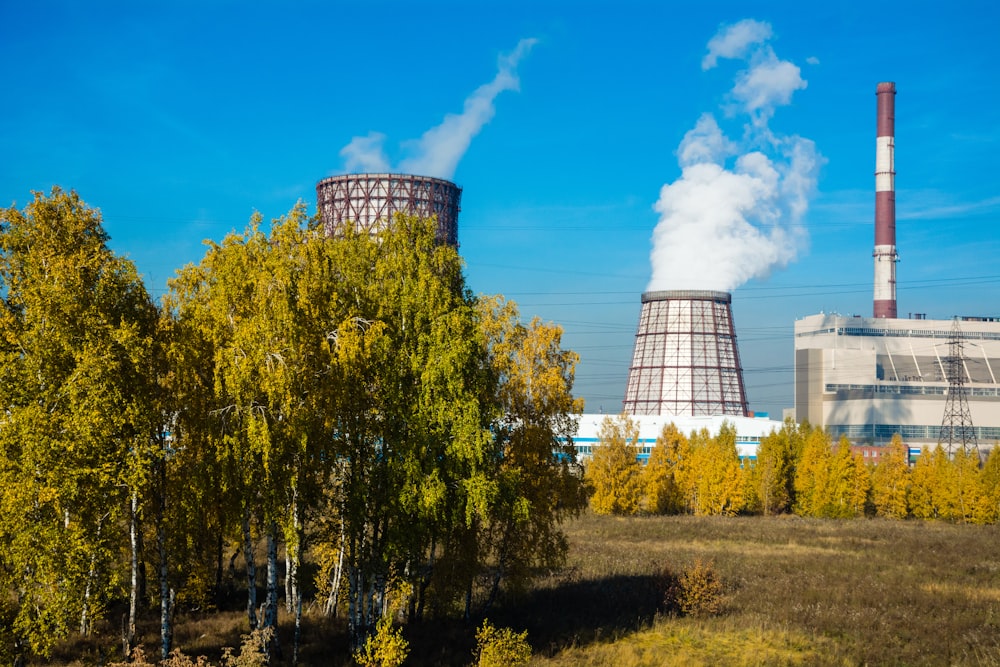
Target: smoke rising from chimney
{"x": 439, "y": 150}
{"x": 736, "y": 211}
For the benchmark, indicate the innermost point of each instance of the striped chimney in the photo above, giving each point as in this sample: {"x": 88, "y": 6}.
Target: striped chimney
{"x": 885, "y": 203}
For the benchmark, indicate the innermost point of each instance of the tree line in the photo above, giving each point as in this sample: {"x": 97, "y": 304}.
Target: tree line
{"x": 798, "y": 469}
{"x": 341, "y": 402}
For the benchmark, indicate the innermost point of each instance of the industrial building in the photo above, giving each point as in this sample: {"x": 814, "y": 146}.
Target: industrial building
{"x": 749, "y": 431}
{"x": 867, "y": 378}
{"x": 686, "y": 371}
{"x": 686, "y": 368}
{"x": 369, "y": 202}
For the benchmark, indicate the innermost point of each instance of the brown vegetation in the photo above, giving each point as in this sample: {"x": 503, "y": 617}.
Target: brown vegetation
{"x": 795, "y": 591}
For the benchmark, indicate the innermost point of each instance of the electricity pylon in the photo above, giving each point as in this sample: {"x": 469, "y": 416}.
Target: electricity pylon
{"x": 956, "y": 426}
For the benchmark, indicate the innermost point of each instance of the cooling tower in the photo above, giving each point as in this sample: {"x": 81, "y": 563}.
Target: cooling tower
{"x": 685, "y": 360}
{"x": 369, "y": 201}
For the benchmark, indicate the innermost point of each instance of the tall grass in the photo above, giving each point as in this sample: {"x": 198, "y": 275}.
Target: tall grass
{"x": 795, "y": 592}
{"x": 804, "y": 591}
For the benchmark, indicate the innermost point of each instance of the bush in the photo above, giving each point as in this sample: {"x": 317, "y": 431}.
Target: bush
{"x": 501, "y": 647}
{"x": 253, "y": 650}
{"x": 700, "y": 591}
{"x": 696, "y": 592}
{"x": 386, "y": 648}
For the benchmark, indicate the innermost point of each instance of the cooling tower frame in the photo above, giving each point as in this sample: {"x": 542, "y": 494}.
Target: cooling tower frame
{"x": 369, "y": 202}
{"x": 685, "y": 360}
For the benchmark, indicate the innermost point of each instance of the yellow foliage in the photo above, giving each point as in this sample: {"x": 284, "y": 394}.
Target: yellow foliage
{"x": 891, "y": 481}
{"x": 614, "y": 471}
{"x": 386, "y": 648}
{"x": 661, "y": 491}
{"x": 501, "y": 647}
{"x": 719, "y": 480}
{"x": 700, "y": 590}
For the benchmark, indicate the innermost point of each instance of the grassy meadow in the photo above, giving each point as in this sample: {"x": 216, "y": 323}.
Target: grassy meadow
{"x": 797, "y": 591}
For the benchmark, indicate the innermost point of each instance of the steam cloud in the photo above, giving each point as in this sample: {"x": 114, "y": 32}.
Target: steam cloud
{"x": 735, "y": 212}
{"x": 439, "y": 150}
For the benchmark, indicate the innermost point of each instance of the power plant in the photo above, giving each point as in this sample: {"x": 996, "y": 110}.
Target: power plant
{"x": 685, "y": 360}
{"x": 369, "y": 201}
{"x": 870, "y": 378}
{"x": 866, "y": 378}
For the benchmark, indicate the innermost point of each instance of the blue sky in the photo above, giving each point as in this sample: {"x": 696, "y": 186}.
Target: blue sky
{"x": 180, "y": 119}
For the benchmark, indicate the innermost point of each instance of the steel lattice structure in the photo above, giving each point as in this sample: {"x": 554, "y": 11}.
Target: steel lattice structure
{"x": 685, "y": 360}
{"x": 369, "y": 202}
{"x": 956, "y": 426}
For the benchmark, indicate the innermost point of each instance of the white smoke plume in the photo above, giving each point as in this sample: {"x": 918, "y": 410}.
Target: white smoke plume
{"x": 736, "y": 211}
{"x": 733, "y": 41}
{"x": 365, "y": 154}
{"x": 439, "y": 150}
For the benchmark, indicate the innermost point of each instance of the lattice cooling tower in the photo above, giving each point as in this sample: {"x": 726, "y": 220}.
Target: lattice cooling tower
{"x": 370, "y": 200}
{"x": 685, "y": 360}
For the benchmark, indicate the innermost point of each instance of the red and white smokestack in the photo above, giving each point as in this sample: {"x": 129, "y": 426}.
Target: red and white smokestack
{"x": 885, "y": 203}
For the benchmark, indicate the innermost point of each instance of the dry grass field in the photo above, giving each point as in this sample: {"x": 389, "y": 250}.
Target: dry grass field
{"x": 797, "y": 591}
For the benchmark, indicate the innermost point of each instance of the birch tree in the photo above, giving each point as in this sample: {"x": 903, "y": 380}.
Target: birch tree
{"x": 258, "y": 302}
{"x": 75, "y": 338}
{"x": 410, "y": 439}
{"x": 532, "y": 466}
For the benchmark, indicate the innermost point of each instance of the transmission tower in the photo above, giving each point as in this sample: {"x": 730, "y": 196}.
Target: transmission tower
{"x": 956, "y": 427}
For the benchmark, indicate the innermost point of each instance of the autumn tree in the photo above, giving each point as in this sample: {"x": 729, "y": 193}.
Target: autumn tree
{"x": 532, "y": 480}
{"x": 988, "y": 508}
{"x": 772, "y": 475}
{"x": 719, "y": 489}
{"x": 929, "y": 481}
{"x": 891, "y": 480}
{"x": 75, "y": 336}
{"x": 849, "y": 483}
{"x": 254, "y": 322}
{"x": 409, "y": 434}
{"x": 614, "y": 472}
{"x": 661, "y": 490}
{"x": 946, "y": 487}
{"x": 967, "y": 490}
{"x": 812, "y": 474}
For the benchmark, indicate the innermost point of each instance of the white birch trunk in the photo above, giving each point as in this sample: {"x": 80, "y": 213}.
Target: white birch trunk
{"x": 271, "y": 606}
{"x": 166, "y": 595}
{"x": 91, "y": 574}
{"x": 133, "y": 598}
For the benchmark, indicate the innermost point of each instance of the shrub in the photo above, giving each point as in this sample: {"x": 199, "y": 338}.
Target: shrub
{"x": 700, "y": 591}
{"x": 137, "y": 658}
{"x": 253, "y": 650}
{"x": 386, "y": 648}
{"x": 501, "y": 647}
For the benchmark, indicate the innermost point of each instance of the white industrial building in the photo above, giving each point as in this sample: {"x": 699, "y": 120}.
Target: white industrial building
{"x": 749, "y": 431}
{"x": 869, "y": 378}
